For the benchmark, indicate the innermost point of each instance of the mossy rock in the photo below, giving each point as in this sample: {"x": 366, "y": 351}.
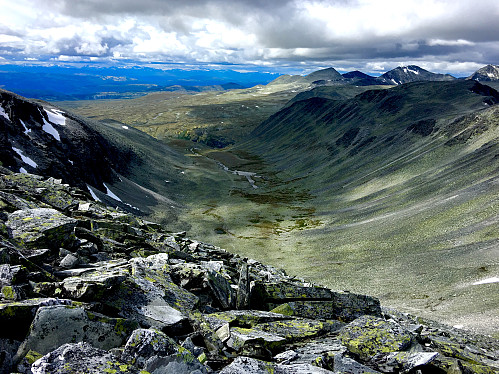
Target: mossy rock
{"x": 369, "y": 335}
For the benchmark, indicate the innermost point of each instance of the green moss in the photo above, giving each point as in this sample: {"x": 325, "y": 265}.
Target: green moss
{"x": 284, "y": 309}
{"x": 8, "y": 292}
{"x": 32, "y": 356}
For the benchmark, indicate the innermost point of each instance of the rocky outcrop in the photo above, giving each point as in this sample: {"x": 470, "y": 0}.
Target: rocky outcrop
{"x": 89, "y": 289}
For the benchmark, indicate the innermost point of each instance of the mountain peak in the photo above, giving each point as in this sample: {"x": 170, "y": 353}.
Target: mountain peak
{"x": 323, "y": 74}
{"x": 412, "y": 73}
{"x": 487, "y": 73}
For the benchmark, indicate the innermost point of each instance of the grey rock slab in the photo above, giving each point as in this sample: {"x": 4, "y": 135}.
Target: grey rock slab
{"x": 300, "y": 369}
{"x": 56, "y": 325}
{"x": 403, "y": 361}
{"x": 243, "y": 287}
{"x": 181, "y": 363}
{"x": 299, "y": 328}
{"x": 242, "y": 318}
{"x": 343, "y": 364}
{"x": 41, "y": 227}
{"x": 8, "y": 349}
{"x": 146, "y": 343}
{"x": 248, "y": 365}
{"x": 80, "y": 358}
{"x": 246, "y": 340}
{"x": 368, "y": 335}
{"x": 16, "y": 317}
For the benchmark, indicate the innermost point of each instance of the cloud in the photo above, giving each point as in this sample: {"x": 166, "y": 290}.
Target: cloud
{"x": 351, "y": 33}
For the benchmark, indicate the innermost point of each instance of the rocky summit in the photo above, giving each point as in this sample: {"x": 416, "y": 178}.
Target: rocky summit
{"x": 90, "y": 289}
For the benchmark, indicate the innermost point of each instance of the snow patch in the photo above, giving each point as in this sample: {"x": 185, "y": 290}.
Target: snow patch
{"x": 92, "y": 193}
{"x": 71, "y": 162}
{"x": 487, "y": 281}
{"x": 49, "y": 129}
{"x": 111, "y": 194}
{"x": 25, "y": 159}
{"x": 394, "y": 81}
{"x": 125, "y": 127}
{"x": 26, "y": 130}
{"x": 3, "y": 114}
{"x": 56, "y": 116}
{"x": 413, "y": 71}
{"x": 23, "y": 170}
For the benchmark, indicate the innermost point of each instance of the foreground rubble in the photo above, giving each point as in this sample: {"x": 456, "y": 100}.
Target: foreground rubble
{"x": 88, "y": 289}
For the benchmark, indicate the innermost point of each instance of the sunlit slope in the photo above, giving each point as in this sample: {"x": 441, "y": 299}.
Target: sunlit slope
{"x": 407, "y": 185}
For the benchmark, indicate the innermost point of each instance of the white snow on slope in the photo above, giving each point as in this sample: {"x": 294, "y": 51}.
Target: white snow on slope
{"x": 92, "y": 193}
{"x": 56, "y": 117}
{"x": 486, "y": 281}
{"x": 48, "y": 128}
{"x": 3, "y": 114}
{"x": 26, "y": 130}
{"x": 25, "y": 159}
{"x": 125, "y": 127}
{"x": 111, "y": 194}
{"x": 23, "y": 170}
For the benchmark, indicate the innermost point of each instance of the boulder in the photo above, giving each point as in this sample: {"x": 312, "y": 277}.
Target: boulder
{"x": 368, "y": 335}
{"x": 181, "y": 363}
{"x": 344, "y": 364}
{"x": 403, "y": 361}
{"x": 243, "y": 287}
{"x": 80, "y": 358}
{"x": 56, "y": 325}
{"x": 156, "y": 269}
{"x": 16, "y": 317}
{"x": 300, "y": 369}
{"x": 253, "y": 342}
{"x": 299, "y": 328}
{"x": 248, "y": 365}
{"x": 146, "y": 343}
{"x": 41, "y": 227}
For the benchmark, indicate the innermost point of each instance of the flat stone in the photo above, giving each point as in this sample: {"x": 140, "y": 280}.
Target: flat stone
{"x": 343, "y": 364}
{"x": 41, "y": 227}
{"x": 56, "y": 325}
{"x": 16, "y": 317}
{"x": 369, "y": 335}
{"x": 146, "y": 343}
{"x": 180, "y": 363}
{"x": 248, "y": 365}
{"x": 300, "y": 369}
{"x": 80, "y": 358}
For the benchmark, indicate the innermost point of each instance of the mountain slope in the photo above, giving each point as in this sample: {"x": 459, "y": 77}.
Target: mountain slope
{"x": 405, "y": 184}
{"x": 487, "y": 73}
{"x": 412, "y": 73}
{"x": 115, "y": 163}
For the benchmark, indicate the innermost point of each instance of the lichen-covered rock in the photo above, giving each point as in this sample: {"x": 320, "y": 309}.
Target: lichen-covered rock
{"x": 242, "y": 318}
{"x": 212, "y": 287}
{"x": 41, "y": 227}
{"x": 312, "y": 301}
{"x": 300, "y": 369}
{"x": 16, "y": 317}
{"x": 403, "y": 361}
{"x": 254, "y": 343}
{"x": 249, "y": 366}
{"x": 182, "y": 362}
{"x": 344, "y": 364}
{"x": 56, "y": 325}
{"x": 299, "y": 328}
{"x": 80, "y": 358}
{"x": 369, "y": 335}
{"x": 156, "y": 269}
{"x": 146, "y": 343}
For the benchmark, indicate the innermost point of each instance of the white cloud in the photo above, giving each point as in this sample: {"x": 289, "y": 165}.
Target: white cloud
{"x": 355, "y": 33}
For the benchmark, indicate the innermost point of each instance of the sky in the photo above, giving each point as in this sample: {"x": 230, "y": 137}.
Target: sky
{"x": 294, "y": 36}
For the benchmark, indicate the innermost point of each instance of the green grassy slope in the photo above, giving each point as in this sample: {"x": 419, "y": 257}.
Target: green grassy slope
{"x": 406, "y": 185}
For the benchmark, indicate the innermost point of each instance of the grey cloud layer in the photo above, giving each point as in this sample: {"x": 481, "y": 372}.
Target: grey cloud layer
{"x": 463, "y": 33}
